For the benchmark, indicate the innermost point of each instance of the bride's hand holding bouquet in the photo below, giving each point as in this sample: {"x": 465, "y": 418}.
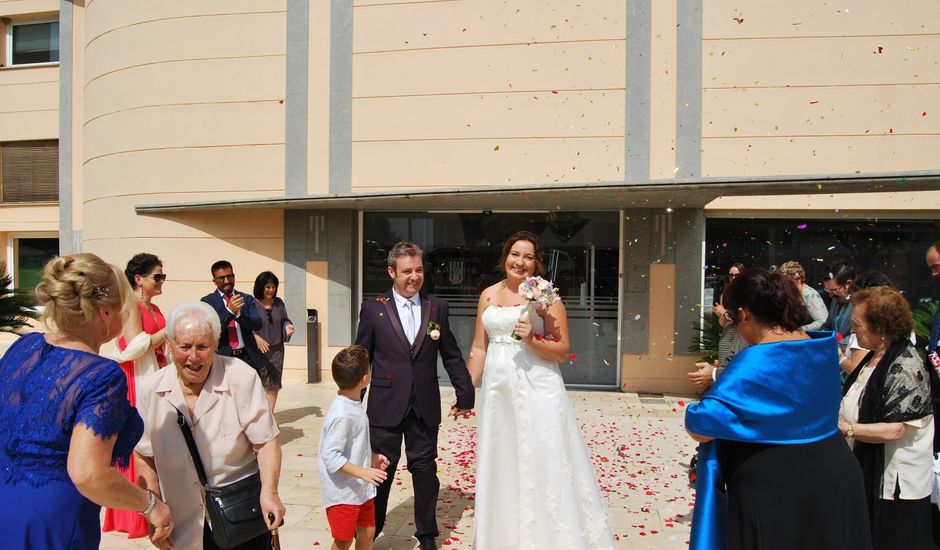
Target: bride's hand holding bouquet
{"x": 539, "y": 294}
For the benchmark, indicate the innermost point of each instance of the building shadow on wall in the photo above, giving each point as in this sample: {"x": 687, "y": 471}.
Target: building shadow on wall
{"x": 250, "y": 229}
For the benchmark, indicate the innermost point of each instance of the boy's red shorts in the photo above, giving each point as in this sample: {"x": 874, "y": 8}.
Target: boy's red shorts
{"x": 344, "y": 518}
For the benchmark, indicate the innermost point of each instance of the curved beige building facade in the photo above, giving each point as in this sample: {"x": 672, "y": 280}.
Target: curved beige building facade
{"x": 183, "y": 100}
{"x": 298, "y": 137}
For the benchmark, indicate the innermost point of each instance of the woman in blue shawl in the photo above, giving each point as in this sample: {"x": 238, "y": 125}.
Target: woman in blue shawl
{"x": 774, "y": 471}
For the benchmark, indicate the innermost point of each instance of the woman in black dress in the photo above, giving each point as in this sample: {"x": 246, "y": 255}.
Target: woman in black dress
{"x": 276, "y": 328}
{"x": 770, "y": 436}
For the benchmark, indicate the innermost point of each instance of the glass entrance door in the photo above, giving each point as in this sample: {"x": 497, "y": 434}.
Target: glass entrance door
{"x": 461, "y": 255}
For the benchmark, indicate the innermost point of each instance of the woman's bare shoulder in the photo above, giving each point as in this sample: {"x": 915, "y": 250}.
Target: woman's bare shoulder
{"x": 490, "y": 291}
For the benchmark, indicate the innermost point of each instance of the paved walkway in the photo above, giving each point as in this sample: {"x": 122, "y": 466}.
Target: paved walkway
{"x": 637, "y": 444}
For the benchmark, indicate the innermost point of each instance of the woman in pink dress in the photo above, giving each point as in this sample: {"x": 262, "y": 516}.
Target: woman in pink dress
{"x": 141, "y": 353}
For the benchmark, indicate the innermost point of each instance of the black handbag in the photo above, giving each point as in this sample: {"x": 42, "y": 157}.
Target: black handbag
{"x": 234, "y": 510}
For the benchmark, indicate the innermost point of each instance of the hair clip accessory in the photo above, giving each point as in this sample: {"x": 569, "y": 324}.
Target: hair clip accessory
{"x": 100, "y": 292}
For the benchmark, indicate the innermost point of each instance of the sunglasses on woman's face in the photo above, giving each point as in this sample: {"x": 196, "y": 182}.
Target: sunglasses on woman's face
{"x": 158, "y": 277}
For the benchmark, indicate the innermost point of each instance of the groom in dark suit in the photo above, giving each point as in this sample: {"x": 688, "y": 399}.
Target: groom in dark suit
{"x": 238, "y": 315}
{"x": 404, "y": 332}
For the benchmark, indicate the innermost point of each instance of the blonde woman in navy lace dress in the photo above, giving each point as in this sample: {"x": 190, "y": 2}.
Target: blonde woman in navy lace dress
{"x": 65, "y": 421}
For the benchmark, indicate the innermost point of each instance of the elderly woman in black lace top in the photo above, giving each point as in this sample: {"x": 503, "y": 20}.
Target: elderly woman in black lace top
{"x": 887, "y": 418}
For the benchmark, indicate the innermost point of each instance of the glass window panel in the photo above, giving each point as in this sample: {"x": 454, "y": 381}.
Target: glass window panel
{"x": 32, "y": 255}
{"x": 895, "y": 248}
{"x": 35, "y": 43}
{"x": 461, "y": 255}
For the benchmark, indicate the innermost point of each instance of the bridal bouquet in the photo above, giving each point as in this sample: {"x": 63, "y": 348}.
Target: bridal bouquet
{"x": 540, "y": 291}
{"x": 537, "y": 291}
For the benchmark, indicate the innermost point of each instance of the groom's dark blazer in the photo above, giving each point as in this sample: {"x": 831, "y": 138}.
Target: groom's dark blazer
{"x": 398, "y": 368}
{"x": 248, "y": 321}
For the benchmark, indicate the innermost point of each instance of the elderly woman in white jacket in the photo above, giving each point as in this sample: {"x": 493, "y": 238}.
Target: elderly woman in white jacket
{"x": 235, "y": 433}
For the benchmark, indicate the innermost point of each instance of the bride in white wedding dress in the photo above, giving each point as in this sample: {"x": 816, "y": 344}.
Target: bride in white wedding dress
{"x": 535, "y": 485}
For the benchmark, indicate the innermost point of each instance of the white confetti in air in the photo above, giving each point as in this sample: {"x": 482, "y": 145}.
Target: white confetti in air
{"x": 637, "y": 317}
{"x": 831, "y": 247}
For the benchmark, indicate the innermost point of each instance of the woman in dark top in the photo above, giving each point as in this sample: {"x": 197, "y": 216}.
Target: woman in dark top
{"x": 772, "y": 458}
{"x": 276, "y": 328}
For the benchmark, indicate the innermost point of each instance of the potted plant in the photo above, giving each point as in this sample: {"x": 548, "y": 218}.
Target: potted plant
{"x": 706, "y": 341}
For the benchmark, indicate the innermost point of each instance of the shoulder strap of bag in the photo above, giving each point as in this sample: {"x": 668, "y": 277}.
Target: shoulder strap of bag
{"x": 193, "y": 451}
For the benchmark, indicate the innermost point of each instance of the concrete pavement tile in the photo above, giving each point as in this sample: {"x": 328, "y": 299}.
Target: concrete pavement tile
{"x": 640, "y": 451}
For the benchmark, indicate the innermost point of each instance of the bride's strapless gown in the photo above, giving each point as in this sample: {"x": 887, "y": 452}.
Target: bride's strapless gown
{"x": 535, "y": 484}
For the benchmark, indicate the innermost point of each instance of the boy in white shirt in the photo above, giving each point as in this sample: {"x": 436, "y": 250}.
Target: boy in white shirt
{"x": 349, "y": 470}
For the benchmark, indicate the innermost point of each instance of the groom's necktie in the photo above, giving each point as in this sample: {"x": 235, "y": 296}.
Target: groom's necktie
{"x": 410, "y": 321}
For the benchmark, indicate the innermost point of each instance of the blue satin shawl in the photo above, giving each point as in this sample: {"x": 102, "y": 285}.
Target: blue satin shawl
{"x": 783, "y": 393}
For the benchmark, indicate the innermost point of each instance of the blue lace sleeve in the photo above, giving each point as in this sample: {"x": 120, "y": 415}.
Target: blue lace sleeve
{"x": 104, "y": 408}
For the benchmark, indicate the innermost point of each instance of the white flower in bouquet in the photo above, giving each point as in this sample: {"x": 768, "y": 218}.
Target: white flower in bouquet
{"x": 537, "y": 291}
{"x": 540, "y": 291}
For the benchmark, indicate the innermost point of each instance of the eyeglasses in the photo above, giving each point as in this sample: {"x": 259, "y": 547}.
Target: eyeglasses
{"x": 733, "y": 275}
{"x": 227, "y": 277}
{"x": 832, "y": 291}
{"x": 158, "y": 277}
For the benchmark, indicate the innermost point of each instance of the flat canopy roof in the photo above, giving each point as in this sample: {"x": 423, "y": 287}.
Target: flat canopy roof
{"x": 590, "y": 196}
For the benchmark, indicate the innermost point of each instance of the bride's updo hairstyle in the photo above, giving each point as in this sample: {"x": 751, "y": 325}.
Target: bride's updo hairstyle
{"x": 770, "y": 297}
{"x": 74, "y": 286}
{"x": 522, "y": 236}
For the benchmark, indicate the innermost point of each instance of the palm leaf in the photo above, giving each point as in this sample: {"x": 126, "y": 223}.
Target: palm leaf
{"x": 706, "y": 341}
{"x": 16, "y": 305}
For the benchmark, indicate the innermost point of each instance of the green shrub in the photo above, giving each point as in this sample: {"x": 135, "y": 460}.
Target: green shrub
{"x": 16, "y": 305}
{"x": 923, "y": 319}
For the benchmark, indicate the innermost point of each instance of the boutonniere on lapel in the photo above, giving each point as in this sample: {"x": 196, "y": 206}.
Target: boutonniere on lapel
{"x": 434, "y": 330}
{"x": 381, "y": 299}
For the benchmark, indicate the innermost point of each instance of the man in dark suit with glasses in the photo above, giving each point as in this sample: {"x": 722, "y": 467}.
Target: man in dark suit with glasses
{"x": 238, "y": 315}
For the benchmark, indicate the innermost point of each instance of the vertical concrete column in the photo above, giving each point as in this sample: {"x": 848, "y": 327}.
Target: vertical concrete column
{"x": 636, "y": 261}
{"x": 688, "y": 255}
{"x": 295, "y": 272}
{"x": 689, "y": 91}
{"x": 297, "y": 87}
{"x": 654, "y": 236}
{"x": 637, "y": 92}
{"x": 68, "y": 244}
{"x": 333, "y": 240}
{"x": 341, "y": 47}
{"x": 327, "y": 238}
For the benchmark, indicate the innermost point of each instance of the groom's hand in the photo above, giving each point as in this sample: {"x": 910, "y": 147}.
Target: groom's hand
{"x": 457, "y": 413}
